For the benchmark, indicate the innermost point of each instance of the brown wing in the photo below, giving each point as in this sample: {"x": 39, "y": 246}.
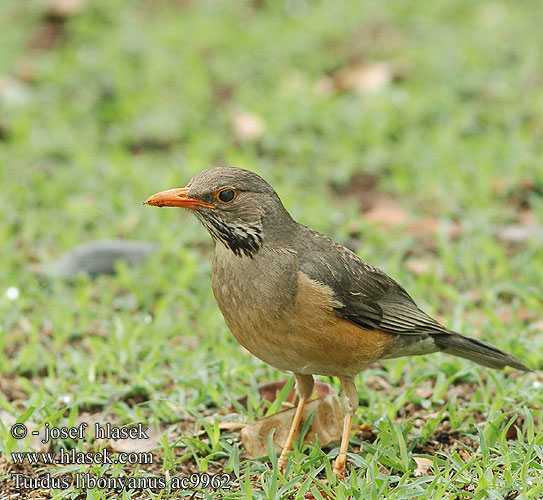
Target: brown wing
{"x": 369, "y": 297}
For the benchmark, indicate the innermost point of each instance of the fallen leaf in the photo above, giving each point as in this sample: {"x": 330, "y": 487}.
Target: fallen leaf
{"x": 366, "y": 432}
{"x": 138, "y": 445}
{"x": 423, "y": 465}
{"x": 231, "y": 426}
{"x": 362, "y": 185}
{"x": 48, "y": 33}
{"x": 13, "y": 91}
{"x": 385, "y": 209}
{"x": 508, "y": 314}
{"x": 66, "y": 8}
{"x": 430, "y": 226}
{"x": 425, "y": 392}
{"x": 247, "y": 126}
{"x": 378, "y": 384}
{"x": 269, "y": 391}
{"x": 25, "y": 70}
{"x": 362, "y": 77}
{"x": 325, "y": 86}
{"x": 318, "y": 493}
{"x": 387, "y": 212}
{"x": 326, "y": 424}
{"x": 518, "y": 233}
{"x": 419, "y": 266}
{"x": 88, "y": 418}
{"x": 526, "y": 217}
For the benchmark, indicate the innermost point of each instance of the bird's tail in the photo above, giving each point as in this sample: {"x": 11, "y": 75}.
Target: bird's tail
{"x": 476, "y": 350}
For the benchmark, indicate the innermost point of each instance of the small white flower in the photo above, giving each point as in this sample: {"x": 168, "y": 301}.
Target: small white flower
{"x": 12, "y": 293}
{"x": 147, "y": 318}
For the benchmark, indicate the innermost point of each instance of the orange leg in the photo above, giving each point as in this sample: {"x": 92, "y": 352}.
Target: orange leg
{"x": 304, "y": 388}
{"x": 350, "y": 403}
{"x": 339, "y": 464}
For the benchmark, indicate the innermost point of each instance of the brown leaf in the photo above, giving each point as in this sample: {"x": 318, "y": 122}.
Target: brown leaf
{"x": 138, "y": 445}
{"x": 247, "y": 126}
{"x": 387, "y": 212}
{"x": 25, "y": 70}
{"x": 269, "y": 391}
{"x": 507, "y": 315}
{"x": 364, "y": 186}
{"x": 66, "y": 8}
{"x": 423, "y": 466}
{"x": 419, "y": 266}
{"x": 425, "y": 392}
{"x": 527, "y": 217}
{"x": 321, "y": 494}
{"x": 326, "y": 424}
{"x": 366, "y": 432}
{"x": 88, "y": 418}
{"x": 362, "y": 77}
{"x": 231, "y": 426}
{"x": 430, "y": 226}
{"x": 518, "y": 233}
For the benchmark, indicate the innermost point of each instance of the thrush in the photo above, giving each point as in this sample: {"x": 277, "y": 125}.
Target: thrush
{"x": 303, "y": 303}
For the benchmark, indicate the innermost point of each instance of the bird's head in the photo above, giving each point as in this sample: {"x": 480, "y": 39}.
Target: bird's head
{"x": 236, "y": 206}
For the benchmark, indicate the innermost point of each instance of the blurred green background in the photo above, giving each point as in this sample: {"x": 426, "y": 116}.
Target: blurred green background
{"x": 410, "y": 131}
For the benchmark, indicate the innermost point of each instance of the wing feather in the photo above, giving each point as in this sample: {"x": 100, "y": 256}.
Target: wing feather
{"x": 369, "y": 297}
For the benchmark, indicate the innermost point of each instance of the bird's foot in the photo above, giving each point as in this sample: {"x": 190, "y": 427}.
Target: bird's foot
{"x": 282, "y": 463}
{"x": 339, "y": 465}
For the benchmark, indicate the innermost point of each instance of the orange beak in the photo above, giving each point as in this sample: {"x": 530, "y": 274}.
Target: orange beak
{"x": 176, "y": 198}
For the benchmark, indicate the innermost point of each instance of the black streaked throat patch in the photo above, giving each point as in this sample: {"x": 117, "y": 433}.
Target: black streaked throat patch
{"x": 241, "y": 238}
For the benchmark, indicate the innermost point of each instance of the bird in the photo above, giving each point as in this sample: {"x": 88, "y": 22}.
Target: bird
{"x": 302, "y": 302}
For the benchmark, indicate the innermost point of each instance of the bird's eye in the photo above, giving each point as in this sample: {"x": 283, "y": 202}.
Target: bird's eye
{"x": 226, "y": 195}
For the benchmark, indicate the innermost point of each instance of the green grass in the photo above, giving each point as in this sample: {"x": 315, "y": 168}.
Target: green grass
{"x": 136, "y": 97}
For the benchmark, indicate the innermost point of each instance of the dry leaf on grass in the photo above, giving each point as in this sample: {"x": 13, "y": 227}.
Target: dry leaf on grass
{"x": 138, "y": 445}
{"x": 387, "y": 212}
{"x": 519, "y": 233}
{"x": 507, "y": 315}
{"x": 429, "y": 226}
{"x": 366, "y": 432}
{"x": 269, "y": 391}
{"x": 362, "y": 77}
{"x": 326, "y": 424}
{"x": 247, "y": 126}
{"x": 419, "y": 266}
{"x": 13, "y": 91}
{"x": 66, "y": 8}
{"x": 423, "y": 466}
{"x": 383, "y": 208}
{"x": 321, "y": 493}
{"x": 231, "y": 426}
{"x": 52, "y": 29}
{"x": 364, "y": 186}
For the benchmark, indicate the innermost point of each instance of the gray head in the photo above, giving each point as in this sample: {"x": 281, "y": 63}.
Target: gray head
{"x": 238, "y": 208}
